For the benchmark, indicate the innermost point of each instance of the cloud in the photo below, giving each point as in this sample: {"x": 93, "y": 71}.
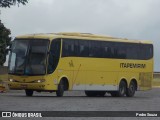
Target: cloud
{"x": 133, "y": 19}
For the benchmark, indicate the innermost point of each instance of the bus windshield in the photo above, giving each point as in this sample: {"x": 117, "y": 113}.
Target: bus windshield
{"x": 28, "y": 57}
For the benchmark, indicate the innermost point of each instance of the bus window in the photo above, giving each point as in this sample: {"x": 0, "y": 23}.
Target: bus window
{"x": 36, "y": 63}
{"x": 95, "y": 49}
{"x": 121, "y": 50}
{"x": 83, "y": 48}
{"x": 146, "y": 51}
{"x": 133, "y": 50}
{"x": 54, "y": 55}
{"x": 107, "y": 50}
{"x": 68, "y": 48}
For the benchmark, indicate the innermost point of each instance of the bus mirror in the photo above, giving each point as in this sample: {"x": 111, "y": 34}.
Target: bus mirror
{"x": 50, "y": 53}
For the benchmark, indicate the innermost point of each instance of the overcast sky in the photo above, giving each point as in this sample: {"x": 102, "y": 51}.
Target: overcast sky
{"x": 133, "y": 19}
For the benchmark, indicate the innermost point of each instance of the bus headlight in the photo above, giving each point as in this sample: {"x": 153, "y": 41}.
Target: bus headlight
{"x": 12, "y": 80}
{"x": 39, "y": 81}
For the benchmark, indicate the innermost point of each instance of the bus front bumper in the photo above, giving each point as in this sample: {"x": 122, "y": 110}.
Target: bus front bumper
{"x": 31, "y": 86}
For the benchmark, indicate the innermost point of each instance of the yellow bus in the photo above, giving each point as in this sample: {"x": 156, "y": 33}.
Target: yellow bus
{"x": 59, "y": 62}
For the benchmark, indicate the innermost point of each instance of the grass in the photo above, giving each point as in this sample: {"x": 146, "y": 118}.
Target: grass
{"x": 156, "y": 82}
{"x": 3, "y": 77}
{"x": 3, "y": 83}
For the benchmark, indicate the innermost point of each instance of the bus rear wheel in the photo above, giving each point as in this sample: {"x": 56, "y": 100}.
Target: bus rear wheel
{"x": 29, "y": 92}
{"x": 60, "y": 89}
{"x": 121, "y": 91}
{"x": 131, "y": 90}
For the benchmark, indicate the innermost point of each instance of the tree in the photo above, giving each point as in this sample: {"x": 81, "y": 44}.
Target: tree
{"x": 5, "y": 38}
{"x": 9, "y": 3}
{"x": 4, "y": 42}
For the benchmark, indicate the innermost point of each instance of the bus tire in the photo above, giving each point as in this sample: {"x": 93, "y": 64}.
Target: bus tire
{"x": 60, "y": 89}
{"x": 122, "y": 89}
{"x": 29, "y": 92}
{"x": 131, "y": 89}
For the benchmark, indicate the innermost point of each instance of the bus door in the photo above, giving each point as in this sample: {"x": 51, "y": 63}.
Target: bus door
{"x": 67, "y": 61}
{"x": 76, "y": 67}
{"x": 81, "y": 53}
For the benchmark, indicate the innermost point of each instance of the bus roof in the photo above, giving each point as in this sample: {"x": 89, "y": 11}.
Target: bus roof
{"x": 76, "y": 35}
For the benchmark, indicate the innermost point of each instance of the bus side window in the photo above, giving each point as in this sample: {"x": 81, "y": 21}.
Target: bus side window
{"x": 95, "y": 49}
{"x": 68, "y": 48}
{"x": 83, "y": 48}
{"x": 133, "y": 51}
{"x": 76, "y": 48}
{"x": 121, "y": 50}
{"x": 54, "y": 55}
{"x": 107, "y": 50}
{"x": 146, "y": 52}
{"x": 150, "y": 51}
{"x": 65, "y": 48}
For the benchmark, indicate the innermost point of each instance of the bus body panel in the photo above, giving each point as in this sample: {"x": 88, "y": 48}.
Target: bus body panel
{"x": 87, "y": 73}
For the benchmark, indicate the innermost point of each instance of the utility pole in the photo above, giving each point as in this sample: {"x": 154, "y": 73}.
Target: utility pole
{"x": 0, "y": 14}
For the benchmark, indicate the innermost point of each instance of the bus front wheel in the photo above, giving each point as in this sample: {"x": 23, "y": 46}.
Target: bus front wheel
{"x": 131, "y": 90}
{"x": 60, "y": 89}
{"x": 29, "y": 92}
